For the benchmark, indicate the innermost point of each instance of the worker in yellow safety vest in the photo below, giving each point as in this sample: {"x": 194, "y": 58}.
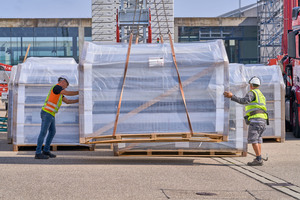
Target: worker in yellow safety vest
{"x": 256, "y": 116}
{"x": 51, "y": 106}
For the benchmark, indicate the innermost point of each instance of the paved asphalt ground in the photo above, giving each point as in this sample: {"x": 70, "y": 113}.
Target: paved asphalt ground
{"x": 99, "y": 175}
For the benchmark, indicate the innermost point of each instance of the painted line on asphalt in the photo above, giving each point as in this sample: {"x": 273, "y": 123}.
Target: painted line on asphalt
{"x": 267, "y": 179}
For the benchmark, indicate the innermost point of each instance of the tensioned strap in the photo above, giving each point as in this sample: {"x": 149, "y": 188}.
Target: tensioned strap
{"x": 161, "y": 39}
{"x": 180, "y": 84}
{"x": 123, "y": 84}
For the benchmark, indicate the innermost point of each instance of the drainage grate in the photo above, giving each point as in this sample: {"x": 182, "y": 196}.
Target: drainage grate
{"x": 206, "y": 194}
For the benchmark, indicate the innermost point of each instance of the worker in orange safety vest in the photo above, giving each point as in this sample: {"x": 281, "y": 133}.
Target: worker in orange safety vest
{"x": 51, "y": 106}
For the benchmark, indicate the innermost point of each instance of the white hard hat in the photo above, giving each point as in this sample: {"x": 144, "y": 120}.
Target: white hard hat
{"x": 63, "y": 77}
{"x": 254, "y": 80}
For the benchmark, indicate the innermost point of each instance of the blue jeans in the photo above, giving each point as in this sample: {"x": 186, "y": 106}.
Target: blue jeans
{"x": 48, "y": 123}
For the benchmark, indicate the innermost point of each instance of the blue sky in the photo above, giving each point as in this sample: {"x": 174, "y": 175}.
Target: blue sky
{"x": 206, "y": 8}
{"x": 82, "y": 8}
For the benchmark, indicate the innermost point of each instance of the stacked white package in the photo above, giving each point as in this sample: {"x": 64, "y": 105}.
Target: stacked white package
{"x": 237, "y": 138}
{"x": 31, "y": 84}
{"x": 273, "y": 87}
{"x": 152, "y": 102}
{"x": 10, "y": 104}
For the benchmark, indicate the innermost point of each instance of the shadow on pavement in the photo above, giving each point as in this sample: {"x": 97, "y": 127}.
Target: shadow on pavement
{"x": 104, "y": 160}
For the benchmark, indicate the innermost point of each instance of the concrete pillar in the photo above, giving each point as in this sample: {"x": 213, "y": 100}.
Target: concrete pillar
{"x": 175, "y": 33}
{"x": 80, "y": 38}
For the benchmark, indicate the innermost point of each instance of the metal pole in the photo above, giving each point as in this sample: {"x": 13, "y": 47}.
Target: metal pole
{"x": 240, "y": 5}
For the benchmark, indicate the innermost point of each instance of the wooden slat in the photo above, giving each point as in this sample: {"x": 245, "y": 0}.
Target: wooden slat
{"x": 181, "y": 152}
{"x": 180, "y": 84}
{"x": 123, "y": 84}
{"x": 26, "y": 53}
{"x": 184, "y": 135}
{"x": 156, "y": 140}
{"x": 275, "y": 138}
{"x": 144, "y": 138}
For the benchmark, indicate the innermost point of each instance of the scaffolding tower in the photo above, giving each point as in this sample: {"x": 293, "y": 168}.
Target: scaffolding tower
{"x": 270, "y": 29}
{"x": 105, "y": 13}
{"x": 133, "y": 17}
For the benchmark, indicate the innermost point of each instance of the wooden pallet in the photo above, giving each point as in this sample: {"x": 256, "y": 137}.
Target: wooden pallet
{"x": 55, "y": 147}
{"x": 181, "y": 152}
{"x": 273, "y": 138}
{"x": 155, "y": 137}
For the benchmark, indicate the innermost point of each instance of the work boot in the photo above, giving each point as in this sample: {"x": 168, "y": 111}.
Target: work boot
{"x": 51, "y": 155}
{"x": 41, "y": 156}
{"x": 255, "y": 162}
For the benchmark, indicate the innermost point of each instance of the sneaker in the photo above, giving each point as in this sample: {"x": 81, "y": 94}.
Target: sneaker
{"x": 50, "y": 155}
{"x": 255, "y": 162}
{"x": 41, "y": 156}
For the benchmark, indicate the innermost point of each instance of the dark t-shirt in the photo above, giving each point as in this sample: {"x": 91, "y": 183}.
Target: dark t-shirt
{"x": 57, "y": 89}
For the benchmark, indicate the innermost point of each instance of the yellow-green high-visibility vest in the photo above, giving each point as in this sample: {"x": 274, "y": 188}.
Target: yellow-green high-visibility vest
{"x": 52, "y": 102}
{"x": 258, "y": 104}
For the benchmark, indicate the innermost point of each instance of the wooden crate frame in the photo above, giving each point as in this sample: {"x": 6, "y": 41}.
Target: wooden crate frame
{"x": 86, "y": 125}
{"x": 181, "y": 152}
{"x": 156, "y": 137}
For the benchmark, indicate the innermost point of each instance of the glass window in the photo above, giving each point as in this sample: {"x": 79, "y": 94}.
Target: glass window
{"x": 204, "y": 33}
{"x": 5, "y": 32}
{"x": 232, "y": 49}
{"x": 248, "y": 49}
{"x": 45, "y": 41}
{"x": 216, "y": 32}
{"x": 26, "y": 40}
{"x": 87, "y": 34}
{"x": 5, "y": 55}
{"x": 67, "y": 42}
{"x": 227, "y": 32}
{"x": 238, "y": 31}
{"x": 250, "y": 31}
{"x": 15, "y": 45}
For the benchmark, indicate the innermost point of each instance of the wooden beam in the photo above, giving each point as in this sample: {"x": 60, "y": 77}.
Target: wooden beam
{"x": 124, "y": 78}
{"x": 26, "y": 53}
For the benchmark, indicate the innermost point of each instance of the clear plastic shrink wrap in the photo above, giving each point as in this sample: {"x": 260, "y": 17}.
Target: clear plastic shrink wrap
{"x": 10, "y": 104}
{"x": 273, "y": 87}
{"x": 30, "y": 86}
{"x": 151, "y": 77}
{"x": 237, "y": 138}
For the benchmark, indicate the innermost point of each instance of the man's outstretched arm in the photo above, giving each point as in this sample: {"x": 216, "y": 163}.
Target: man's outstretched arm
{"x": 245, "y": 100}
{"x": 70, "y": 101}
{"x": 69, "y": 93}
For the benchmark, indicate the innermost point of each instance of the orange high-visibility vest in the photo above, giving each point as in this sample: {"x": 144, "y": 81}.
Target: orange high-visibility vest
{"x": 52, "y": 102}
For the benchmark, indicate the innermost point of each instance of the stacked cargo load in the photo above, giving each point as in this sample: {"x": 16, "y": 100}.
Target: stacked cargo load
{"x": 273, "y": 87}
{"x": 10, "y": 104}
{"x": 30, "y": 86}
{"x": 237, "y": 138}
{"x": 151, "y": 100}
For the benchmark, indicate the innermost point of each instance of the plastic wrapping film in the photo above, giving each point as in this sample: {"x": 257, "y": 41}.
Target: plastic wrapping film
{"x": 237, "y": 138}
{"x": 273, "y": 88}
{"x": 10, "y": 104}
{"x": 30, "y": 86}
{"x": 151, "y": 101}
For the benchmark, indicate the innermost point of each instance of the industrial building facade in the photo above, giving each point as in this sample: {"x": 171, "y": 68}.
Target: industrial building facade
{"x": 47, "y": 38}
{"x": 239, "y": 35}
{"x": 65, "y": 37}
